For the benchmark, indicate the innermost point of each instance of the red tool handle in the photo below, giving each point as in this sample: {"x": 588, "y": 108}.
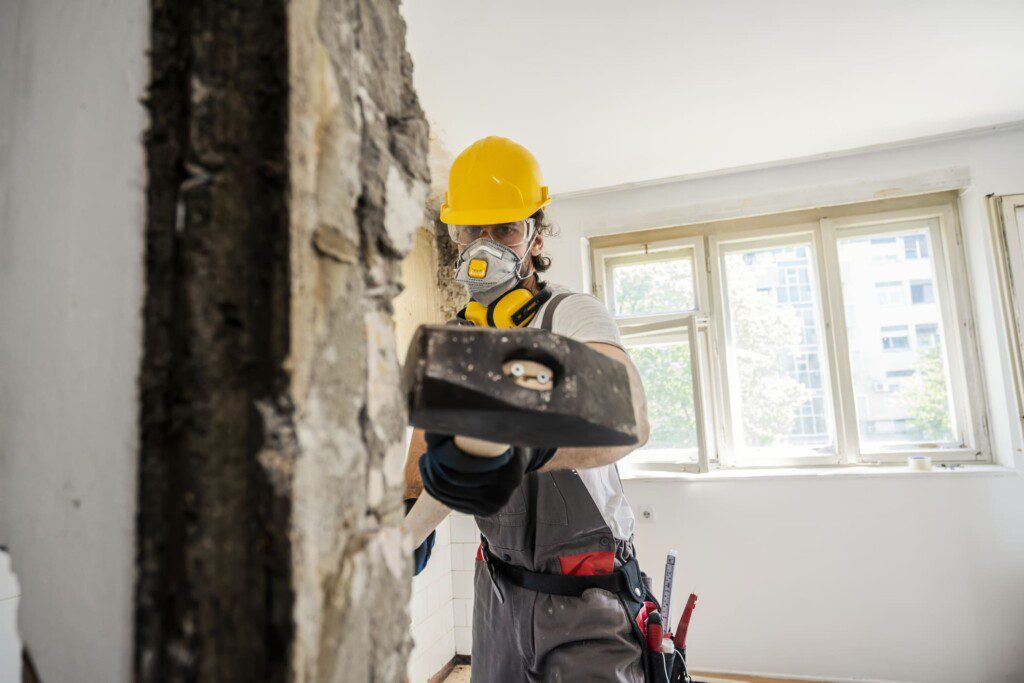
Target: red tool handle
{"x": 654, "y": 633}
{"x": 684, "y": 622}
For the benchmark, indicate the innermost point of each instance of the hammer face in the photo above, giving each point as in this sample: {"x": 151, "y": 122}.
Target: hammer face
{"x": 458, "y": 381}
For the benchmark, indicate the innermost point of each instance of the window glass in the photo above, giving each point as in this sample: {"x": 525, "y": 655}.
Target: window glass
{"x": 889, "y": 293}
{"x": 927, "y": 335}
{"x": 885, "y": 249}
{"x": 900, "y": 379}
{"x": 895, "y": 338}
{"x": 921, "y": 292}
{"x": 667, "y": 373}
{"x": 653, "y": 286}
{"x": 915, "y": 246}
{"x": 774, "y": 339}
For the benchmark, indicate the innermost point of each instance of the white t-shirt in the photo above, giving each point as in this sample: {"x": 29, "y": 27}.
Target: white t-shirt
{"x": 584, "y": 318}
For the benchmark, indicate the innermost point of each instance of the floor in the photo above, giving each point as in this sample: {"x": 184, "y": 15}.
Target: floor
{"x": 460, "y": 674}
{"x": 736, "y": 678}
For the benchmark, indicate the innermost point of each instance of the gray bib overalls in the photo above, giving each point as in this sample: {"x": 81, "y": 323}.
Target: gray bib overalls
{"x": 551, "y": 525}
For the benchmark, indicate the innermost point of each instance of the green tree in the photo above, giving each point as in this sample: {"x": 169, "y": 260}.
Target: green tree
{"x": 926, "y": 398}
{"x": 666, "y": 373}
{"x": 763, "y": 337}
{"x": 653, "y": 287}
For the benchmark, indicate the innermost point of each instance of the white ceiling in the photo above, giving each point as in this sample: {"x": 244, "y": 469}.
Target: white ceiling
{"x": 607, "y": 92}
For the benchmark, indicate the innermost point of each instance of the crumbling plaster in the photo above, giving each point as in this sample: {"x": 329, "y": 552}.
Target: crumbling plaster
{"x": 359, "y": 181}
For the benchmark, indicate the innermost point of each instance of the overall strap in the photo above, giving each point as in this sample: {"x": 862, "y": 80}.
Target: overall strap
{"x": 549, "y": 312}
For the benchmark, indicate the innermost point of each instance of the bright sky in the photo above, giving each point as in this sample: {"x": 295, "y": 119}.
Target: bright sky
{"x": 607, "y": 92}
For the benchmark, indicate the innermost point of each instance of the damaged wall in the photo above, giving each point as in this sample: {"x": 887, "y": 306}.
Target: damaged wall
{"x": 214, "y": 593}
{"x": 429, "y": 291}
{"x": 288, "y": 175}
{"x": 420, "y": 301}
{"x": 359, "y": 179}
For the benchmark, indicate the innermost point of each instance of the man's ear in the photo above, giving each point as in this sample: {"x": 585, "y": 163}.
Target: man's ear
{"x": 538, "y": 245}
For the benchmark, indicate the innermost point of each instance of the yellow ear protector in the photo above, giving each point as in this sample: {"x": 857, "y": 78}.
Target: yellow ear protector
{"x": 514, "y": 308}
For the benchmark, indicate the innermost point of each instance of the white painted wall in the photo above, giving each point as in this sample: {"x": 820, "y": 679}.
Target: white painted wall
{"x": 893, "y": 578}
{"x": 72, "y": 73}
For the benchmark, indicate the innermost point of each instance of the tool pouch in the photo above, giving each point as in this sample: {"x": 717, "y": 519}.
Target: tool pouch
{"x": 658, "y": 667}
{"x": 627, "y": 583}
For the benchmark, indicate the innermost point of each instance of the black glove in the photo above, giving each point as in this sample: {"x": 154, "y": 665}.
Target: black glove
{"x": 468, "y": 483}
{"x": 421, "y": 555}
{"x": 540, "y": 457}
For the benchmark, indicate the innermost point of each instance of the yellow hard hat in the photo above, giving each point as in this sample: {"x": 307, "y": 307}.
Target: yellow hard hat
{"x": 494, "y": 180}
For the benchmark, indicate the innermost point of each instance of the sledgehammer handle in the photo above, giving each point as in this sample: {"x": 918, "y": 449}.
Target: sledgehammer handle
{"x": 428, "y": 512}
{"x": 479, "y": 447}
{"x": 424, "y": 517}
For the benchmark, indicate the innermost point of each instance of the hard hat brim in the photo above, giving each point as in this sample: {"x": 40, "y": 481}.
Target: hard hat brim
{"x": 451, "y": 216}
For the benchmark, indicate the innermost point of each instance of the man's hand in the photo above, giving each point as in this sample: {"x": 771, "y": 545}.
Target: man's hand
{"x": 474, "y": 484}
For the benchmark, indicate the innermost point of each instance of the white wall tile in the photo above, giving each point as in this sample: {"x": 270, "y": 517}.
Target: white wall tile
{"x": 432, "y": 612}
{"x": 462, "y": 584}
{"x": 433, "y": 599}
{"x": 418, "y": 670}
{"x": 462, "y": 612}
{"x": 463, "y": 641}
{"x": 418, "y": 610}
{"x": 464, "y": 529}
{"x": 444, "y": 588}
{"x": 464, "y": 555}
{"x": 426, "y": 632}
{"x": 444, "y": 532}
{"x": 429, "y": 658}
{"x": 433, "y": 642}
{"x": 448, "y": 617}
{"x": 440, "y": 559}
{"x": 444, "y": 650}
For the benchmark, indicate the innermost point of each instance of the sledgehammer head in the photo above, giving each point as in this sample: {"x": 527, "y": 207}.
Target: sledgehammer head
{"x": 524, "y": 387}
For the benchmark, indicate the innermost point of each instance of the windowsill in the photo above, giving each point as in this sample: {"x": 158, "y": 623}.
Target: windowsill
{"x": 854, "y": 471}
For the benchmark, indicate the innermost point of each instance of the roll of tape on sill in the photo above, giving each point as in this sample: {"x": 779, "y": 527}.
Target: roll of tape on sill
{"x": 919, "y": 463}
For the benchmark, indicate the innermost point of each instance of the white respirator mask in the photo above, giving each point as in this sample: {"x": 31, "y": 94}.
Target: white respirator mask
{"x": 488, "y": 269}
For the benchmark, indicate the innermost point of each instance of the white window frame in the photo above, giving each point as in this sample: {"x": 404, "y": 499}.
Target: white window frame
{"x": 706, "y": 328}
{"x": 1008, "y": 241}
{"x": 952, "y": 295}
{"x": 719, "y": 245}
{"x": 691, "y": 324}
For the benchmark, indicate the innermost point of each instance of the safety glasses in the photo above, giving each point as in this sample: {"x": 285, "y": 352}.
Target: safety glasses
{"x": 509, "y": 234}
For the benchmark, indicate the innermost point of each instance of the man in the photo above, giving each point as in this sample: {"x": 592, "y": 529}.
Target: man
{"x": 567, "y": 515}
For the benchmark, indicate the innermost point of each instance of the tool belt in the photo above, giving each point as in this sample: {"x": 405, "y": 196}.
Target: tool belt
{"x": 626, "y": 582}
{"x": 627, "y": 579}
